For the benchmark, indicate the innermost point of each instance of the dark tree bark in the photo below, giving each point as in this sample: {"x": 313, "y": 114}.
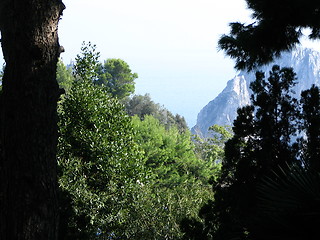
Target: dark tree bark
{"x": 28, "y": 130}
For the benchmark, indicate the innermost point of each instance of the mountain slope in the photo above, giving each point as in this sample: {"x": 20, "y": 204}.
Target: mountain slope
{"x": 223, "y": 109}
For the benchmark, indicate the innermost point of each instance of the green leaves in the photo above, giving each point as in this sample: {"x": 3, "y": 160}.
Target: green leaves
{"x": 116, "y": 76}
{"x": 121, "y": 177}
{"x": 99, "y": 162}
{"x": 87, "y": 63}
{"x": 168, "y": 153}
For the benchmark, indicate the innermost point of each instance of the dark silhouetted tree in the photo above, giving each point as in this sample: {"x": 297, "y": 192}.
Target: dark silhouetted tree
{"x": 310, "y": 114}
{"x": 260, "y": 145}
{"x": 277, "y": 26}
{"x": 28, "y": 110}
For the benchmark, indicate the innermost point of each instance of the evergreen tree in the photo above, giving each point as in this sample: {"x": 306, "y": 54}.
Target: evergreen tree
{"x": 142, "y": 105}
{"x": 116, "y": 76}
{"x": 277, "y": 26}
{"x": 310, "y": 114}
{"x": 260, "y": 145}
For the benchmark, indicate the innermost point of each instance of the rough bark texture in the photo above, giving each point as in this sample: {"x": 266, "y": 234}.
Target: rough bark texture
{"x": 28, "y": 130}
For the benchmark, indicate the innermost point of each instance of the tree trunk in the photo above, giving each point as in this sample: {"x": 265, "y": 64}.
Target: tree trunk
{"x": 28, "y": 130}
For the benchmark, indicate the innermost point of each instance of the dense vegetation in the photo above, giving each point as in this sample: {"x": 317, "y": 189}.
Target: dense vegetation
{"x": 269, "y": 181}
{"x": 134, "y": 173}
{"x": 128, "y": 168}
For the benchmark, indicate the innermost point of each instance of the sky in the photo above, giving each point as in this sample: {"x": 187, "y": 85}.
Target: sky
{"x": 171, "y": 44}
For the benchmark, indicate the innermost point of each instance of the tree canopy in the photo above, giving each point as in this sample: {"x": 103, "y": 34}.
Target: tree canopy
{"x": 267, "y": 169}
{"x": 116, "y": 76}
{"x": 142, "y": 106}
{"x": 99, "y": 162}
{"x": 123, "y": 176}
{"x": 277, "y": 26}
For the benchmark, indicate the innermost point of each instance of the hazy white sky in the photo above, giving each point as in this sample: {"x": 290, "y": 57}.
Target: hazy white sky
{"x": 171, "y": 44}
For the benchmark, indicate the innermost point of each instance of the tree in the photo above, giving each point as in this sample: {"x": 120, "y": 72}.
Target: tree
{"x": 277, "y": 26}
{"x": 100, "y": 164}
{"x": 142, "y": 105}
{"x": 122, "y": 178}
{"x": 64, "y": 76}
{"x": 261, "y": 145}
{"x": 28, "y": 179}
{"x": 211, "y": 149}
{"x": 288, "y": 198}
{"x": 178, "y": 180}
{"x": 87, "y": 64}
{"x": 1, "y": 74}
{"x": 310, "y": 114}
{"x": 116, "y": 76}
{"x": 168, "y": 153}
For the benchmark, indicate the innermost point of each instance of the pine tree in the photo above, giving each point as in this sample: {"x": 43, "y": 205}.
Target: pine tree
{"x": 277, "y": 26}
{"x": 260, "y": 145}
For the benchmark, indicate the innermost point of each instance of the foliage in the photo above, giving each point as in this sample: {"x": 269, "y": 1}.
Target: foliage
{"x": 168, "y": 153}
{"x": 142, "y": 105}
{"x": 64, "y": 76}
{"x": 87, "y": 64}
{"x": 120, "y": 177}
{"x": 178, "y": 184}
{"x": 288, "y": 205}
{"x": 261, "y": 144}
{"x": 99, "y": 162}
{"x": 211, "y": 149}
{"x": 159, "y": 210}
{"x": 310, "y": 115}
{"x": 116, "y": 76}
{"x": 277, "y": 27}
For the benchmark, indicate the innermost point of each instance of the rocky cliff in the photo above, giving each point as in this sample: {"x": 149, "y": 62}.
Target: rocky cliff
{"x": 223, "y": 109}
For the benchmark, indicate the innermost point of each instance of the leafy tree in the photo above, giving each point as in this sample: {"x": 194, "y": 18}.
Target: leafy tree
{"x": 277, "y": 27}
{"x": 142, "y": 105}
{"x": 28, "y": 177}
{"x": 178, "y": 184}
{"x": 64, "y": 76}
{"x": 100, "y": 165}
{"x": 117, "y": 180}
{"x": 168, "y": 153}
{"x": 87, "y": 64}
{"x": 211, "y": 149}
{"x": 288, "y": 199}
{"x": 160, "y": 210}
{"x": 116, "y": 76}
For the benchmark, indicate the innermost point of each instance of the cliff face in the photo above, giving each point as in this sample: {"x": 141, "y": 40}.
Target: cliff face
{"x": 223, "y": 109}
